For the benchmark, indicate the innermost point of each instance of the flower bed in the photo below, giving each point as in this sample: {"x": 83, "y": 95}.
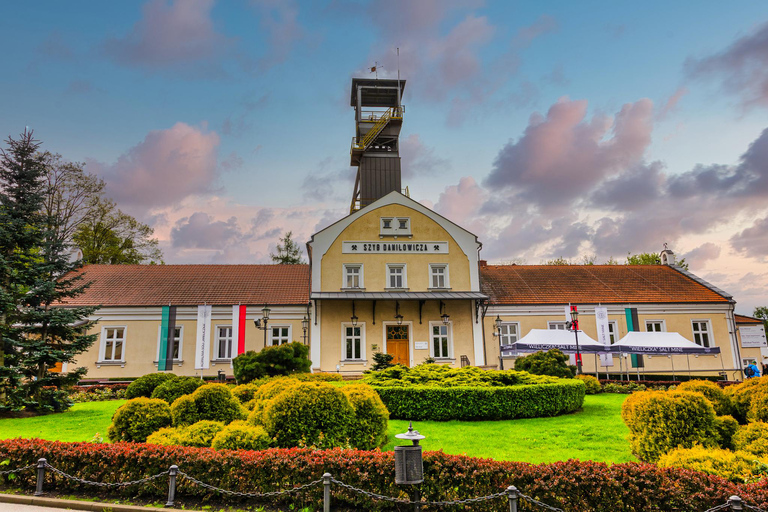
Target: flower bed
{"x": 571, "y": 485}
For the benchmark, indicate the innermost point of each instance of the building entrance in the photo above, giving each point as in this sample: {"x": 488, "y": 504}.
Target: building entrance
{"x": 397, "y": 344}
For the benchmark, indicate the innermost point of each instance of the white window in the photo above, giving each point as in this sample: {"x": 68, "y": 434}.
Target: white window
{"x": 509, "y": 333}
{"x": 438, "y": 276}
{"x": 113, "y": 344}
{"x": 613, "y": 332}
{"x": 701, "y": 335}
{"x": 440, "y": 348}
{"x": 279, "y": 334}
{"x": 395, "y": 226}
{"x": 178, "y": 339}
{"x": 353, "y": 343}
{"x": 396, "y": 276}
{"x": 353, "y": 276}
{"x": 559, "y": 326}
{"x": 223, "y": 342}
{"x": 655, "y": 326}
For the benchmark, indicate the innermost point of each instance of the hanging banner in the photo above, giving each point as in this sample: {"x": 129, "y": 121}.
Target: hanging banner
{"x": 601, "y": 320}
{"x": 203, "y": 342}
{"x": 568, "y": 313}
{"x": 238, "y": 330}
{"x": 606, "y": 360}
{"x": 167, "y": 339}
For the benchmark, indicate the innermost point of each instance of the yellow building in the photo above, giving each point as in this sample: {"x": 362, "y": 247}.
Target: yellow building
{"x": 393, "y": 276}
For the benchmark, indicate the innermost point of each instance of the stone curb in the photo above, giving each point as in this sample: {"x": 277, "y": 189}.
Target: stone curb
{"x": 41, "y": 501}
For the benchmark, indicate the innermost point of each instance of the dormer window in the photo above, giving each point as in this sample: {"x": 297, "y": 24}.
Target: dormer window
{"x": 395, "y": 226}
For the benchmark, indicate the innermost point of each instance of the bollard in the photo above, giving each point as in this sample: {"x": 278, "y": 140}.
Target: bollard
{"x": 172, "y": 472}
{"x": 736, "y": 504}
{"x": 512, "y": 496}
{"x": 327, "y": 492}
{"x": 41, "y": 463}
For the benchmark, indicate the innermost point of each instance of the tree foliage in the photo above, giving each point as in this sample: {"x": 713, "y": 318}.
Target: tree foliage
{"x": 651, "y": 258}
{"x": 36, "y": 275}
{"x": 110, "y": 236}
{"x": 289, "y": 253}
{"x": 761, "y": 312}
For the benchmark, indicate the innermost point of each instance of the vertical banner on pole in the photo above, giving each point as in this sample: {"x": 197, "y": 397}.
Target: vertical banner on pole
{"x": 171, "y": 347}
{"x": 633, "y": 324}
{"x": 238, "y": 329}
{"x": 603, "y": 334}
{"x": 163, "y": 352}
{"x": 203, "y": 342}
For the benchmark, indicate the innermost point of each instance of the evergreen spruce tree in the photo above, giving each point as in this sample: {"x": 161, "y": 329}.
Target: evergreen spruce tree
{"x": 289, "y": 253}
{"x": 36, "y": 278}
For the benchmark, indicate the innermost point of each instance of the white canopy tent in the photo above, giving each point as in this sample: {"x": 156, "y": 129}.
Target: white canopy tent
{"x": 547, "y": 339}
{"x": 661, "y": 344}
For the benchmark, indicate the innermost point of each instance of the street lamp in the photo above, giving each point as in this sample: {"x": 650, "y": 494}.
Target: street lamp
{"x": 353, "y": 319}
{"x": 444, "y": 316}
{"x": 261, "y": 323}
{"x": 575, "y": 326}
{"x": 304, "y": 327}
{"x": 398, "y": 316}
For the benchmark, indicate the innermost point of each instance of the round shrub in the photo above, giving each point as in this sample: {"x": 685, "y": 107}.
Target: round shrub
{"x": 660, "y": 421}
{"x": 726, "y": 427}
{"x": 136, "y": 419}
{"x": 741, "y": 396}
{"x": 201, "y": 434}
{"x": 172, "y": 389}
{"x": 712, "y": 391}
{"x": 735, "y": 466}
{"x": 239, "y": 436}
{"x": 144, "y": 386}
{"x": 591, "y": 383}
{"x": 286, "y": 359}
{"x": 368, "y": 428}
{"x": 167, "y": 436}
{"x": 210, "y": 402}
{"x": 758, "y": 405}
{"x": 309, "y": 415}
{"x": 245, "y": 392}
{"x": 319, "y": 377}
{"x": 552, "y": 362}
{"x": 752, "y": 438}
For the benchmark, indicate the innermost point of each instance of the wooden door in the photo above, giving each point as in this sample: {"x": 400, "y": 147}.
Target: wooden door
{"x": 397, "y": 344}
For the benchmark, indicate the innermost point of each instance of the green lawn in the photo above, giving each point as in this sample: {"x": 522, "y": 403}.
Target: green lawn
{"x": 595, "y": 433}
{"x": 80, "y": 423}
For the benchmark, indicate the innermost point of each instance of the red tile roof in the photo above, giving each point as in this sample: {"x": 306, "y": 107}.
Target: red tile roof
{"x": 743, "y": 319}
{"x": 593, "y": 284}
{"x": 192, "y": 285}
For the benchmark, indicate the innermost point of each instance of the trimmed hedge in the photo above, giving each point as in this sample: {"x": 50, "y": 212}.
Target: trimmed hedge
{"x": 735, "y": 466}
{"x": 144, "y": 386}
{"x": 138, "y": 418}
{"x": 172, "y": 389}
{"x": 571, "y": 485}
{"x": 482, "y": 403}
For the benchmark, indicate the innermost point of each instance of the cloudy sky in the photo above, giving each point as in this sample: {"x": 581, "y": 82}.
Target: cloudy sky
{"x": 547, "y": 128}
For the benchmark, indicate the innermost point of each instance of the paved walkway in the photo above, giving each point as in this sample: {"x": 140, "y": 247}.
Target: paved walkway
{"x": 14, "y": 503}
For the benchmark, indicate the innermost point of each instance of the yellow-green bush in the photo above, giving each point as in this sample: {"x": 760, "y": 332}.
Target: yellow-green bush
{"x": 172, "y": 389}
{"x": 210, "y": 402}
{"x": 758, "y": 405}
{"x": 660, "y": 421}
{"x": 136, "y": 419}
{"x": 726, "y": 427}
{"x": 240, "y": 436}
{"x": 168, "y": 436}
{"x": 201, "y": 434}
{"x": 368, "y": 428}
{"x": 714, "y": 393}
{"x": 274, "y": 387}
{"x": 735, "y": 466}
{"x": 741, "y": 396}
{"x": 245, "y": 392}
{"x": 309, "y": 414}
{"x": 591, "y": 383}
{"x": 752, "y": 438}
{"x": 318, "y": 377}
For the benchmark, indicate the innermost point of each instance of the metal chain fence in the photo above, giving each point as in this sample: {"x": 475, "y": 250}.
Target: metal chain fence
{"x": 734, "y": 503}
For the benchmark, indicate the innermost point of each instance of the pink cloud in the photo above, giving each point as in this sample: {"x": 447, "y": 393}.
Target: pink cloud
{"x": 172, "y": 36}
{"x": 166, "y": 167}
{"x": 671, "y": 104}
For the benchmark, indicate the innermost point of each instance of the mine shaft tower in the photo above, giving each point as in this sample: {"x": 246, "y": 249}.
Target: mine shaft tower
{"x": 376, "y": 144}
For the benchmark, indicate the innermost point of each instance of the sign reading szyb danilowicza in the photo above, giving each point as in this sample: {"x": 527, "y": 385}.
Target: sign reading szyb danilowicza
{"x": 393, "y": 247}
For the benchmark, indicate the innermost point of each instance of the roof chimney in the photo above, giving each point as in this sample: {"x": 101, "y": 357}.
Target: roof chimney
{"x": 483, "y": 263}
{"x": 667, "y": 256}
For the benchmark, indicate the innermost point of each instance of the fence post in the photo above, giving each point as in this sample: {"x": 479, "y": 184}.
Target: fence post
{"x": 41, "y": 463}
{"x": 512, "y": 497}
{"x": 172, "y": 472}
{"x": 327, "y": 492}
{"x": 737, "y": 505}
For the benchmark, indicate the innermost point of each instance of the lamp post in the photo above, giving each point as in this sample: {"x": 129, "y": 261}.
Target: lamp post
{"x": 398, "y": 316}
{"x": 304, "y": 327}
{"x": 497, "y": 323}
{"x": 409, "y": 465}
{"x": 575, "y": 325}
{"x": 444, "y": 316}
{"x": 261, "y": 323}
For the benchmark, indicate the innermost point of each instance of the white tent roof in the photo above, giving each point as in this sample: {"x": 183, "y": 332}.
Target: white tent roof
{"x": 547, "y": 339}
{"x": 660, "y": 343}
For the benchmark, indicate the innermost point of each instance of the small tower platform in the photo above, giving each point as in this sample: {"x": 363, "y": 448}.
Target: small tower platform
{"x": 375, "y": 147}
